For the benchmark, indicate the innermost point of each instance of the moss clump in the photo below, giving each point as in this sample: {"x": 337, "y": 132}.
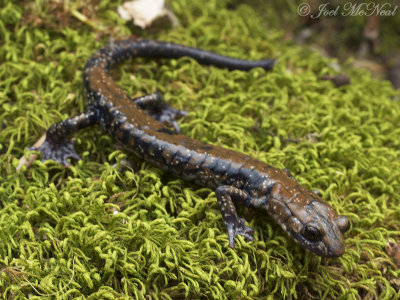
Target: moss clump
{"x": 105, "y": 229}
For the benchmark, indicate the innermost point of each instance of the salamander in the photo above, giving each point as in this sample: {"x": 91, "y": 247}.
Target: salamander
{"x": 146, "y": 126}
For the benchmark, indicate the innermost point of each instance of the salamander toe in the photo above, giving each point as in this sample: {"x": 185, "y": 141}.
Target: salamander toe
{"x": 236, "y": 228}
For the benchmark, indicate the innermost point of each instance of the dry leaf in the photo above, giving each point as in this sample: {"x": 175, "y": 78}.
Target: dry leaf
{"x": 144, "y": 12}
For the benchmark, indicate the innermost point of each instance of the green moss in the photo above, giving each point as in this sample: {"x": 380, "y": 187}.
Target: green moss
{"x": 60, "y": 233}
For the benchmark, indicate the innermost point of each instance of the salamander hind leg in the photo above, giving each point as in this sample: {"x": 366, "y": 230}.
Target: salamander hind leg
{"x": 317, "y": 192}
{"x": 156, "y": 107}
{"x": 57, "y": 146}
{"x": 288, "y": 173}
{"x": 234, "y": 225}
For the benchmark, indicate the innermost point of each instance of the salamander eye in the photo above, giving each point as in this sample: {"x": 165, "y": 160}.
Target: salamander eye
{"x": 312, "y": 233}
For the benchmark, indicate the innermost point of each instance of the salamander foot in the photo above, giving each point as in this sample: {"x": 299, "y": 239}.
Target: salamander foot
{"x": 239, "y": 228}
{"x": 159, "y": 110}
{"x": 317, "y": 192}
{"x": 58, "y": 151}
{"x": 167, "y": 115}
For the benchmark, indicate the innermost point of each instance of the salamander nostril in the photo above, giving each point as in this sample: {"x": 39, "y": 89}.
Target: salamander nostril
{"x": 343, "y": 223}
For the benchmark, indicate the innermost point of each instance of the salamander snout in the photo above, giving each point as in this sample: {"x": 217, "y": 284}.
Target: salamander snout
{"x": 332, "y": 236}
{"x": 334, "y": 240}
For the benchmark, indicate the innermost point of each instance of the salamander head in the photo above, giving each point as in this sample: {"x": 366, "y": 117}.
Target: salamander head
{"x": 312, "y": 223}
{"x": 321, "y": 229}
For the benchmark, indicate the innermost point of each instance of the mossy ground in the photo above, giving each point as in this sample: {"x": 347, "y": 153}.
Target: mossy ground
{"x": 59, "y": 233}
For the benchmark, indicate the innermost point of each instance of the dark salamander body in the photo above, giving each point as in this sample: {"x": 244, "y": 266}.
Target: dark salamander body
{"x": 139, "y": 125}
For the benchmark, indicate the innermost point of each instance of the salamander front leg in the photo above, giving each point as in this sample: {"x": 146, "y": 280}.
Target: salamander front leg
{"x": 57, "y": 146}
{"x": 156, "y": 107}
{"x": 234, "y": 225}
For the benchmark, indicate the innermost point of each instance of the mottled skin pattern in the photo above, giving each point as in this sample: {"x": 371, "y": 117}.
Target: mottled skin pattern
{"x": 139, "y": 124}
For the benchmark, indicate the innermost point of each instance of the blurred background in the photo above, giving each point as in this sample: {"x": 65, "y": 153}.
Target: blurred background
{"x": 364, "y": 34}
